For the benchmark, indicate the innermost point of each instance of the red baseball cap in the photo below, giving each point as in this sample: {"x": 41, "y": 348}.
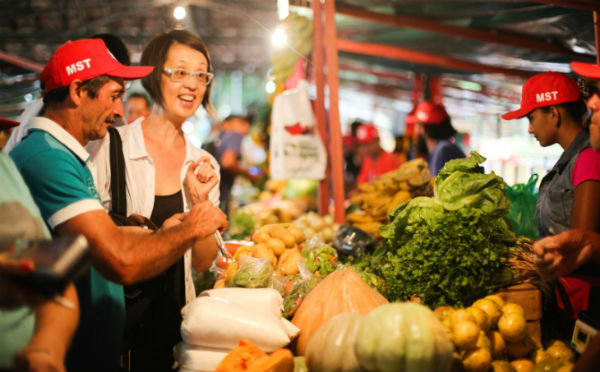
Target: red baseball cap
{"x": 586, "y": 69}
{"x": 430, "y": 113}
{"x": 7, "y": 123}
{"x": 545, "y": 89}
{"x": 85, "y": 59}
{"x": 366, "y": 133}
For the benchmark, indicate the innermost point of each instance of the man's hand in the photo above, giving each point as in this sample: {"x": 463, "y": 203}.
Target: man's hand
{"x": 204, "y": 218}
{"x": 12, "y": 294}
{"x": 561, "y": 254}
{"x": 33, "y": 359}
{"x": 200, "y": 179}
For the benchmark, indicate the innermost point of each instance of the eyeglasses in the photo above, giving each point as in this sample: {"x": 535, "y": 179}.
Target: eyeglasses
{"x": 179, "y": 75}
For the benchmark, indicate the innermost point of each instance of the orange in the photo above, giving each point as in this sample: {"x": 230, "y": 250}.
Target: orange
{"x": 490, "y": 307}
{"x": 465, "y": 334}
{"x": 477, "y": 360}
{"x": 522, "y": 365}
{"x": 512, "y": 327}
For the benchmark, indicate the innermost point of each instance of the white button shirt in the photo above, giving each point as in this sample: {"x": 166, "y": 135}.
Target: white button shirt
{"x": 140, "y": 175}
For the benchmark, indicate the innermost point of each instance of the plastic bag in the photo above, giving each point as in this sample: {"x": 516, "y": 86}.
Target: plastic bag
{"x": 523, "y": 199}
{"x": 296, "y": 148}
{"x": 252, "y": 273}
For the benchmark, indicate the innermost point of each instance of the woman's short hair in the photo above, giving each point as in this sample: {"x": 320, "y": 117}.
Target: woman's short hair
{"x": 155, "y": 54}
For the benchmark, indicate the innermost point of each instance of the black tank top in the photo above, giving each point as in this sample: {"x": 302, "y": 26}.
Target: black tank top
{"x": 156, "y": 311}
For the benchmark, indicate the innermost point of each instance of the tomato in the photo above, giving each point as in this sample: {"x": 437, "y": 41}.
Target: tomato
{"x": 223, "y": 262}
{"x": 232, "y": 247}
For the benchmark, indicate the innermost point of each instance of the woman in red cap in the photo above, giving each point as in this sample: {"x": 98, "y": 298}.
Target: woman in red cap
{"x": 375, "y": 160}
{"x": 435, "y": 126}
{"x": 569, "y": 194}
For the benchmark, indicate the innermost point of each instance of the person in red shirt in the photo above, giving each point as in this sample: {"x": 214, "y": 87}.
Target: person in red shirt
{"x": 375, "y": 160}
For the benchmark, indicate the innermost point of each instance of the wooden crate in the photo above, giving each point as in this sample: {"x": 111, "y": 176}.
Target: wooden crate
{"x": 526, "y": 295}
{"x": 530, "y": 299}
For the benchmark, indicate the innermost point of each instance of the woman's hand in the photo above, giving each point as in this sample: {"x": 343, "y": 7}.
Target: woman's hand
{"x": 561, "y": 254}
{"x": 200, "y": 179}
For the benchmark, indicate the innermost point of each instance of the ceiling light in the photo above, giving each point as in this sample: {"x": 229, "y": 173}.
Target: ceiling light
{"x": 270, "y": 86}
{"x": 179, "y": 13}
{"x": 279, "y": 37}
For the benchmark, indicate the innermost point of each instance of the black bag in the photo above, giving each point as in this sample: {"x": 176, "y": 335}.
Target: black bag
{"x": 118, "y": 211}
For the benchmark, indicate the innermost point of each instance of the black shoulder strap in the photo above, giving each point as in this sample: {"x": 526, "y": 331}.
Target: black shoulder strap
{"x": 117, "y": 173}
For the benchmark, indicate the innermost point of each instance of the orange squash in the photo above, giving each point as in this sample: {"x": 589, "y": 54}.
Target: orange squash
{"x": 240, "y": 357}
{"x": 281, "y": 360}
{"x": 342, "y": 291}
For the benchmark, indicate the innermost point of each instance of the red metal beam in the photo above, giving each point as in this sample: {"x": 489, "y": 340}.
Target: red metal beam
{"x": 319, "y": 63}
{"x": 21, "y": 62}
{"x": 489, "y": 36}
{"x": 591, "y": 5}
{"x": 335, "y": 133}
{"x": 393, "y": 52}
{"x": 597, "y": 35}
{"x": 370, "y": 71}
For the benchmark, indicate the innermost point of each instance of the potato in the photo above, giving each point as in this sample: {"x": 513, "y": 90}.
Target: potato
{"x": 297, "y": 233}
{"x": 288, "y": 239}
{"x": 263, "y": 251}
{"x": 260, "y": 236}
{"x": 276, "y": 246}
{"x": 288, "y": 262}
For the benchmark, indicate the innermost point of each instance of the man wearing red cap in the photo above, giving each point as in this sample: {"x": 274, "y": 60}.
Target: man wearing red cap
{"x": 5, "y": 126}
{"x": 375, "y": 161}
{"x": 435, "y": 126}
{"x": 83, "y": 85}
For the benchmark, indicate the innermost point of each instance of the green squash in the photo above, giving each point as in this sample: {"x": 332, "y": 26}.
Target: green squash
{"x": 403, "y": 337}
{"x": 331, "y": 348}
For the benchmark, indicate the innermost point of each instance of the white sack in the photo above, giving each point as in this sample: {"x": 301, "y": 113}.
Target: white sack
{"x": 219, "y": 323}
{"x": 262, "y": 300}
{"x": 195, "y": 359}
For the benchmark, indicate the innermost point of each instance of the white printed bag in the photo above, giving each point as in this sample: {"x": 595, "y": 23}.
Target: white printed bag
{"x": 296, "y": 147}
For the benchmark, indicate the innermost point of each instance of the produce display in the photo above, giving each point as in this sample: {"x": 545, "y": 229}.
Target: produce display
{"x": 360, "y": 302}
{"x": 376, "y": 199}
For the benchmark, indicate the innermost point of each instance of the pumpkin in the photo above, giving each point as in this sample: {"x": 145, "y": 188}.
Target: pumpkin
{"x": 240, "y": 357}
{"x": 281, "y": 360}
{"x": 342, "y": 291}
{"x": 331, "y": 348}
{"x": 403, "y": 337}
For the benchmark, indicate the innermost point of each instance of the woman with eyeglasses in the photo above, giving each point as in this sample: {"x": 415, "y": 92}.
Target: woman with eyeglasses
{"x": 165, "y": 175}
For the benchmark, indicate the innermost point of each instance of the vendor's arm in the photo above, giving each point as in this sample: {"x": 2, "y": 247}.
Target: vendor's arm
{"x": 127, "y": 258}
{"x": 586, "y": 179}
{"x": 561, "y": 254}
{"x": 55, "y": 324}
